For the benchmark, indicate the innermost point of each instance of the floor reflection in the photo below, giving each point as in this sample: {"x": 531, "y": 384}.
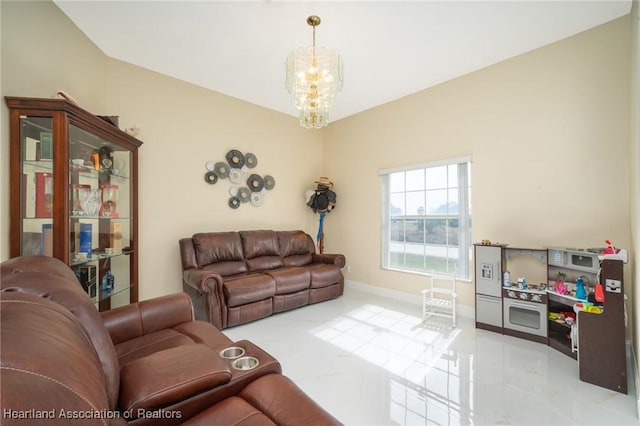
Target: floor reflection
{"x": 429, "y": 382}
{"x": 371, "y": 361}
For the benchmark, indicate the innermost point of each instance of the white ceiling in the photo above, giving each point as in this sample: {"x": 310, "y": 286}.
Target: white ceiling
{"x": 390, "y": 49}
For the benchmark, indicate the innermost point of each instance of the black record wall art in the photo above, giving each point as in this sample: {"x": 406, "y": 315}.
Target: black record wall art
{"x": 322, "y": 200}
{"x": 248, "y": 187}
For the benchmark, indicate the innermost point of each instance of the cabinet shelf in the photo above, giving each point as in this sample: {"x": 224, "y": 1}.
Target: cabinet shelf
{"x": 85, "y": 217}
{"x": 560, "y": 343}
{"x": 49, "y": 190}
{"x": 101, "y": 296}
{"x": 98, "y": 257}
{"x": 98, "y": 175}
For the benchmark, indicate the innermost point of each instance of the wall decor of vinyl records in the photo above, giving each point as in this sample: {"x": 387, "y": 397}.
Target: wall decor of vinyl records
{"x": 247, "y": 187}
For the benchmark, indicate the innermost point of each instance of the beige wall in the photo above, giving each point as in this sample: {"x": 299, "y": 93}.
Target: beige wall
{"x": 183, "y": 126}
{"x": 548, "y": 132}
{"x": 42, "y": 52}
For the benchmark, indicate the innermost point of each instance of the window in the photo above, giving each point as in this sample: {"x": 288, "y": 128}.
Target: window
{"x": 426, "y": 217}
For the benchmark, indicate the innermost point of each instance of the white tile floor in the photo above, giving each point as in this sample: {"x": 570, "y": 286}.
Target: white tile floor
{"x": 369, "y": 361}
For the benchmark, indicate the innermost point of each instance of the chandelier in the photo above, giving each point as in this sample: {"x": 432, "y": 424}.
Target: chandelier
{"x": 314, "y": 76}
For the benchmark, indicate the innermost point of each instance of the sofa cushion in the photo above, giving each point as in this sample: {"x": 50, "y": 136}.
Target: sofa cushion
{"x": 48, "y": 362}
{"x": 242, "y": 289}
{"x": 290, "y": 279}
{"x": 324, "y": 274}
{"x": 220, "y": 248}
{"x": 182, "y": 334}
{"x": 143, "y": 346}
{"x": 296, "y": 247}
{"x": 284, "y": 403}
{"x": 226, "y": 269}
{"x": 52, "y": 279}
{"x": 202, "y": 332}
{"x": 261, "y": 249}
{"x": 137, "y": 319}
{"x": 170, "y": 376}
{"x": 232, "y": 411}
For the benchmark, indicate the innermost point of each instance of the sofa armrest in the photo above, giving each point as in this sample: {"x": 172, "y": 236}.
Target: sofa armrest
{"x": 202, "y": 280}
{"x": 206, "y": 291}
{"x": 137, "y": 319}
{"x": 170, "y": 376}
{"x": 337, "y": 259}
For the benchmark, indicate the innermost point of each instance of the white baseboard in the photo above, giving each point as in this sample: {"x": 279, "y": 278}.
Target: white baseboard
{"x": 414, "y": 299}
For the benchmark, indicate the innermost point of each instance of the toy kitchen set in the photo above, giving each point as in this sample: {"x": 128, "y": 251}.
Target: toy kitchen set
{"x": 570, "y": 299}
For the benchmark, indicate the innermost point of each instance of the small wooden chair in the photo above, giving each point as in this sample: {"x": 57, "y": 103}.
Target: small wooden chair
{"x": 439, "y": 299}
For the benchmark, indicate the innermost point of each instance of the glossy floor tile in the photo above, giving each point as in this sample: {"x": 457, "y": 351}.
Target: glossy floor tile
{"x": 369, "y": 360}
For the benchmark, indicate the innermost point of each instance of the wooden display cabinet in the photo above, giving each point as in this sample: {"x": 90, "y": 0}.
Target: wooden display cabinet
{"x": 74, "y": 194}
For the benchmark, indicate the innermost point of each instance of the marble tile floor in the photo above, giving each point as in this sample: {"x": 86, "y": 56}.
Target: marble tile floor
{"x": 370, "y": 360}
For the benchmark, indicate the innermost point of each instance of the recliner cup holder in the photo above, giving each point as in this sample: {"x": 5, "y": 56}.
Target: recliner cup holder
{"x": 232, "y": 352}
{"x": 245, "y": 363}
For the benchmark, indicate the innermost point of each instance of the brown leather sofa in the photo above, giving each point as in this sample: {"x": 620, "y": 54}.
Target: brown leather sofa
{"x": 237, "y": 277}
{"x": 62, "y": 362}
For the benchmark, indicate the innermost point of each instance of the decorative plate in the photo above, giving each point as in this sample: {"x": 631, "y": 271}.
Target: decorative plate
{"x": 255, "y": 183}
{"x": 235, "y": 158}
{"x": 210, "y": 177}
{"x": 235, "y": 175}
{"x": 257, "y": 199}
{"x": 244, "y": 194}
{"x": 269, "y": 182}
{"x": 222, "y": 170}
{"x": 234, "y": 202}
{"x": 211, "y": 166}
{"x": 250, "y": 160}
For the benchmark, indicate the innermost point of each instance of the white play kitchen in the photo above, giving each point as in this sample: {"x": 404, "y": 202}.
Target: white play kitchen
{"x": 570, "y": 299}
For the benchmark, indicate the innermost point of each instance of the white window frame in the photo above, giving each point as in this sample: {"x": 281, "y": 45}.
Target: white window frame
{"x": 463, "y": 269}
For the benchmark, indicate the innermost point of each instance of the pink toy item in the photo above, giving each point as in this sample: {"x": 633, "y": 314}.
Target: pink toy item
{"x": 561, "y": 288}
{"x": 610, "y": 248}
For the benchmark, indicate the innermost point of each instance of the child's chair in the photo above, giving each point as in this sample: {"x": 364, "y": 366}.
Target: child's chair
{"x": 439, "y": 299}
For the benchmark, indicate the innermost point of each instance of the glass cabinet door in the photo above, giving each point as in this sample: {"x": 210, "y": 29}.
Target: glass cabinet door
{"x": 73, "y": 194}
{"x": 36, "y": 186}
{"x": 100, "y": 216}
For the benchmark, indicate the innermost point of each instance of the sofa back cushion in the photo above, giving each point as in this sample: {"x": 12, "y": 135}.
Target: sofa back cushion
{"x": 296, "y": 247}
{"x": 220, "y": 252}
{"x": 48, "y": 362}
{"x": 50, "y": 278}
{"x": 261, "y": 250}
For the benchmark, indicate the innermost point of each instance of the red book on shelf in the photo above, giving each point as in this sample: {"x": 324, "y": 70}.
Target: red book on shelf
{"x": 44, "y": 194}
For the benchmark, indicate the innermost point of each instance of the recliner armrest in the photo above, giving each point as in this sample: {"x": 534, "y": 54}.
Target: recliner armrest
{"x": 332, "y": 258}
{"x": 206, "y": 289}
{"x": 137, "y": 319}
{"x": 203, "y": 280}
{"x": 170, "y": 376}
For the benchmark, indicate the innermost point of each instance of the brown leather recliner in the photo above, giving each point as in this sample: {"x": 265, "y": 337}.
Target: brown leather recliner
{"x": 146, "y": 363}
{"x": 237, "y": 277}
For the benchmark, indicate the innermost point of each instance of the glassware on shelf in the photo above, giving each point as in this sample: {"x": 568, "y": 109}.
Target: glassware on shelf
{"x": 76, "y": 205}
{"x": 109, "y": 200}
{"x": 89, "y": 201}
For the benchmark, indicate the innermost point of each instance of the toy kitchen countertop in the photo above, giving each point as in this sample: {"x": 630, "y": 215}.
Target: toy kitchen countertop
{"x": 532, "y": 294}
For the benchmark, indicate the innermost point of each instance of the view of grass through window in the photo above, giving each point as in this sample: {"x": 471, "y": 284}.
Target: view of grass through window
{"x": 426, "y": 207}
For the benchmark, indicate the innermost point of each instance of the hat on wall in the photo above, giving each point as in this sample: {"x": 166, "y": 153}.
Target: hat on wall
{"x": 324, "y": 182}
